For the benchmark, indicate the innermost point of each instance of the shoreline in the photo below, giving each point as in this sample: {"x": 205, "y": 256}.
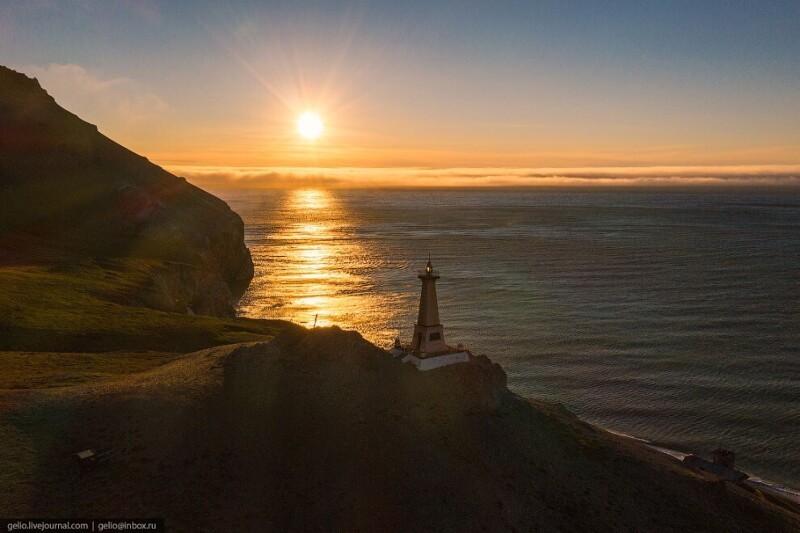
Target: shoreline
{"x": 778, "y": 490}
{"x": 774, "y": 488}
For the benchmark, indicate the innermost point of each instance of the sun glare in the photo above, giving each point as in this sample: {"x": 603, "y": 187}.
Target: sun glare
{"x": 309, "y": 125}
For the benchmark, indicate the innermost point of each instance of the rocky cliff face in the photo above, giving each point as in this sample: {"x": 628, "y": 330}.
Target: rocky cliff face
{"x": 68, "y": 190}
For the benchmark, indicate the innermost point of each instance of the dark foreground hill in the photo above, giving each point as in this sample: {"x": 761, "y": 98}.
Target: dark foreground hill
{"x": 69, "y": 193}
{"x": 320, "y": 430}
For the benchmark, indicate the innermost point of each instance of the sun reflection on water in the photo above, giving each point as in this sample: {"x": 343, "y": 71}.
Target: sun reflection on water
{"x": 310, "y": 266}
{"x": 309, "y": 199}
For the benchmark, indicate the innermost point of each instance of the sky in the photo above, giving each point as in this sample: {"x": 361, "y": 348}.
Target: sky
{"x": 447, "y": 92}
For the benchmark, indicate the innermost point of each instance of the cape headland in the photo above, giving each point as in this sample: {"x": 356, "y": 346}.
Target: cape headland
{"x": 118, "y": 282}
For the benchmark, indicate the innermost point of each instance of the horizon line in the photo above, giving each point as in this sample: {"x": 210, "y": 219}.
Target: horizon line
{"x": 654, "y": 176}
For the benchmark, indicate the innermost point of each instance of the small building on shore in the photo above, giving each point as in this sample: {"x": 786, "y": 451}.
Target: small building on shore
{"x": 722, "y": 465}
{"x": 428, "y": 349}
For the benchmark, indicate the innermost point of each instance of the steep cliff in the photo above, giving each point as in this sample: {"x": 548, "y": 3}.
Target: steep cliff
{"x": 69, "y": 192}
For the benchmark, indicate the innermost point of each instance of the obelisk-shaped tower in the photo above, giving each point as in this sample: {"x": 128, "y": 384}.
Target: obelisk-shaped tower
{"x": 428, "y": 332}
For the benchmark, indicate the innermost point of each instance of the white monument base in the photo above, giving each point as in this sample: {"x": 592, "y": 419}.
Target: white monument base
{"x": 397, "y": 352}
{"x": 436, "y": 361}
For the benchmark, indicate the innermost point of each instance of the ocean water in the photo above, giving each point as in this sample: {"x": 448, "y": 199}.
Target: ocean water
{"x": 673, "y": 316}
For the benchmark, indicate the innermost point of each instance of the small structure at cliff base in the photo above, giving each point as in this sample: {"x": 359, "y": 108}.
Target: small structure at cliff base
{"x": 722, "y": 465}
{"x": 428, "y": 349}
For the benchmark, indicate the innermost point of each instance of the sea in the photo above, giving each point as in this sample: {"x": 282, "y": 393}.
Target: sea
{"x": 670, "y": 315}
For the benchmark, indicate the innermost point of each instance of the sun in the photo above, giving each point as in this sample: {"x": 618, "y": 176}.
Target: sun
{"x": 309, "y": 125}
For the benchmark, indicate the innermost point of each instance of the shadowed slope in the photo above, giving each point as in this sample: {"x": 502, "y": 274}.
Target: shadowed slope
{"x": 319, "y": 429}
{"x": 69, "y": 192}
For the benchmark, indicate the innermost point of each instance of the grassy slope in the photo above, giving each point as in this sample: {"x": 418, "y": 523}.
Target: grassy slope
{"x": 24, "y": 370}
{"x": 65, "y": 183}
{"x": 78, "y": 313}
{"x": 320, "y": 430}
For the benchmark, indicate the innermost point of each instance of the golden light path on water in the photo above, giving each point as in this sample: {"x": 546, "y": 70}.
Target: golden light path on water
{"x": 311, "y": 267}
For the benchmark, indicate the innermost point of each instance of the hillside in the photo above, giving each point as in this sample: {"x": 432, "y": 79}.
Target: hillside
{"x": 320, "y": 430}
{"x": 70, "y": 194}
{"x": 109, "y": 265}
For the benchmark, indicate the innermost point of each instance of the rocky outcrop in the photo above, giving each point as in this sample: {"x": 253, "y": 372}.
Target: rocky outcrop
{"x": 482, "y": 381}
{"x": 76, "y": 193}
{"x": 182, "y": 288}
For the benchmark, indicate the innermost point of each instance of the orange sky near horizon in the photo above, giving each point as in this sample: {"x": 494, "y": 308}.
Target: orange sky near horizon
{"x": 471, "y": 94}
{"x": 352, "y": 153}
{"x": 264, "y": 149}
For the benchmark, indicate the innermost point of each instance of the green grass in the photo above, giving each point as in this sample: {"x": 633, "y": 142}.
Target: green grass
{"x": 76, "y": 317}
{"x": 24, "y": 370}
{"x": 72, "y": 308}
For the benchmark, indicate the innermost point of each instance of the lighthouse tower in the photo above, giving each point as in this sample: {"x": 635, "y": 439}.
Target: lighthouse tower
{"x": 428, "y": 331}
{"x": 428, "y": 350}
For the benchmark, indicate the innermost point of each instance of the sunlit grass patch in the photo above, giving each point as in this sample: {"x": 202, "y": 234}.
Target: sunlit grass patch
{"x": 70, "y": 323}
{"x": 24, "y": 370}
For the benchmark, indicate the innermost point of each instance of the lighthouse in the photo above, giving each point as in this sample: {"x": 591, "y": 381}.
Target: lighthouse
{"x": 428, "y": 331}
{"x": 428, "y": 349}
